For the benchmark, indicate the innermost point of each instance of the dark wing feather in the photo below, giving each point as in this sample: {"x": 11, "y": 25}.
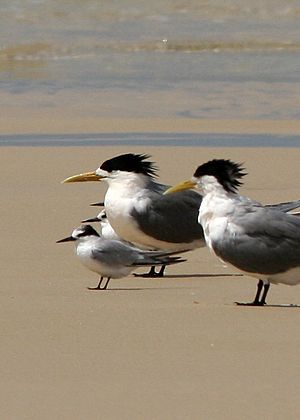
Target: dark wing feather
{"x": 285, "y": 207}
{"x": 116, "y": 253}
{"x": 172, "y": 217}
{"x": 270, "y": 243}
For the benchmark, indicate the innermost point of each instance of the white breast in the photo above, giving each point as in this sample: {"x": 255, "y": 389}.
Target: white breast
{"x": 107, "y": 231}
{"x": 84, "y": 252}
{"x": 290, "y": 277}
{"x": 214, "y": 215}
{"x": 120, "y": 200}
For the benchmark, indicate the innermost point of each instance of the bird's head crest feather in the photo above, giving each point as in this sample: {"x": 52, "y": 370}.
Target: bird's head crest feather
{"x": 131, "y": 162}
{"x": 227, "y": 172}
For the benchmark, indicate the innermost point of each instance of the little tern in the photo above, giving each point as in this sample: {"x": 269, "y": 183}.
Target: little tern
{"x": 112, "y": 258}
{"x": 261, "y": 241}
{"x": 107, "y": 231}
{"x": 138, "y": 210}
{"x": 98, "y": 204}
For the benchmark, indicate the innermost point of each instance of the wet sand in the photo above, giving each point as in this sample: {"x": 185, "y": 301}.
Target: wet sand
{"x": 34, "y": 112}
{"x": 59, "y": 123}
{"x": 172, "y": 348}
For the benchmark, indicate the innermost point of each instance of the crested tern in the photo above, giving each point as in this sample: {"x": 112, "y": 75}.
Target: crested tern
{"x": 260, "y": 241}
{"x": 138, "y": 210}
{"x": 112, "y": 258}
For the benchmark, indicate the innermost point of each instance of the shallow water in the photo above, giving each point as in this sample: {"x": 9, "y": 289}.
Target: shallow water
{"x": 151, "y": 139}
{"x": 234, "y": 59}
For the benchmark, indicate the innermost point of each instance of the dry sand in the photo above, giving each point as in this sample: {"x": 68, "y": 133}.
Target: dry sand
{"x": 172, "y": 348}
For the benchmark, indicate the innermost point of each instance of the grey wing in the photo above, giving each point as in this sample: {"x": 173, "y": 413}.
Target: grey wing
{"x": 269, "y": 244}
{"x": 116, "y": 253}
{"x": 285, "y": 207}
{"x": 157, "y": 187}
{"x": 113, "y": 252}
{"x": 172, "y": 217}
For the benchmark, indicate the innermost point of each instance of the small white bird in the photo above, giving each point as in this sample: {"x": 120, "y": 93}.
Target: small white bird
{"x": 261, "y": 241}
{"x": 97, "y": 204}
{"x": 112, "y": 258}
{"x": 107, "y": 232}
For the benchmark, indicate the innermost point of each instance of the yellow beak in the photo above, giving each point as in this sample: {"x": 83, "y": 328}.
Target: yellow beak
{"x": 88, "y": 176}
{"x": 185, "y": 185}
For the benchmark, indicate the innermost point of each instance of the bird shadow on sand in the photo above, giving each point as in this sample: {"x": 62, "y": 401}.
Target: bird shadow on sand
{"x": 177, "y": 276}
{"x": 283, "y": 305}
{"x": 278, "y": 305}
{"x": 128, "y": 289}
{"x": 187, "y": 276}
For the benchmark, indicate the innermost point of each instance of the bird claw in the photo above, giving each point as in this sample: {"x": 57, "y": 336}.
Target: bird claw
{"x": 254, "y": 303}
{"x": 149, "y": 275}
{"x": 280, "y": 305}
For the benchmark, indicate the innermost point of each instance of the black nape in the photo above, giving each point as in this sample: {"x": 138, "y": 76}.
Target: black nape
{"x": 130, "y": 162}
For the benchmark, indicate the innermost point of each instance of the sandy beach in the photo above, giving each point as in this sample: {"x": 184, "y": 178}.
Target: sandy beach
{"x": 172, "y": 348}
{"x": 176, "y": 348}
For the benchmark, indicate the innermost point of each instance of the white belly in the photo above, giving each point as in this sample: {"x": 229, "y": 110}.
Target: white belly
{"x": 98, "y": 266}
{"x": 291, "y": 277}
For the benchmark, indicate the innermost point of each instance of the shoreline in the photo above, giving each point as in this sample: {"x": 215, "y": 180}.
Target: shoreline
{"x": 151, "y": 139}
{"x": 41, "y": 124}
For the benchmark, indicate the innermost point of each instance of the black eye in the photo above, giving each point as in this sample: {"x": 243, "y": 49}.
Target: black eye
{"x": 86, "y": 230}
{"x": 80, "y": 234}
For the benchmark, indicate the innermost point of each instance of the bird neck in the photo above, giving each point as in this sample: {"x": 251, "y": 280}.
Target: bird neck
{"x": 123, "y": 195}
{"x": 209, "y": 185}
{"x": 216, "y": 203}
{"x": 83, "y": 244}
{"x": 127, "y": 184}
{"x": 215, "y": 211}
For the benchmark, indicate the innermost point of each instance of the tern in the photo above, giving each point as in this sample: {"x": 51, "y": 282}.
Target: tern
{"x": 112, "y": 258}
{"x": 97, "y": 204}
{"x": 138, "y": 210}
{"x": 260, "y": 241}
{"x": 107, "y": 231}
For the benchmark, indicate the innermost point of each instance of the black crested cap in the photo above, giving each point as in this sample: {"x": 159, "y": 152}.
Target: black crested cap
{"x": 130, "y": 162}
{"x": 87, "y": 230}
{"x": 225, "y": 171}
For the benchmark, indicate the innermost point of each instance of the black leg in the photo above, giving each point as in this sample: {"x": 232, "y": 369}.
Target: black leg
{"x": 99, "y": 285}
{"x": 161, "y": 271}
{"x": 260, "y": 285}
{"x": 152, "y": 273}
{"x": 257, "y": 301}
{"x": 264, "y": 295}
{"x": 106, "y": 284}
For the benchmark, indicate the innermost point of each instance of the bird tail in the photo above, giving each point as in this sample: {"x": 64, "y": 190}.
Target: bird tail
{"x": 164, "y": 260}
{"x": 164, "y": 253}
{"x": 285, "y": 207}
